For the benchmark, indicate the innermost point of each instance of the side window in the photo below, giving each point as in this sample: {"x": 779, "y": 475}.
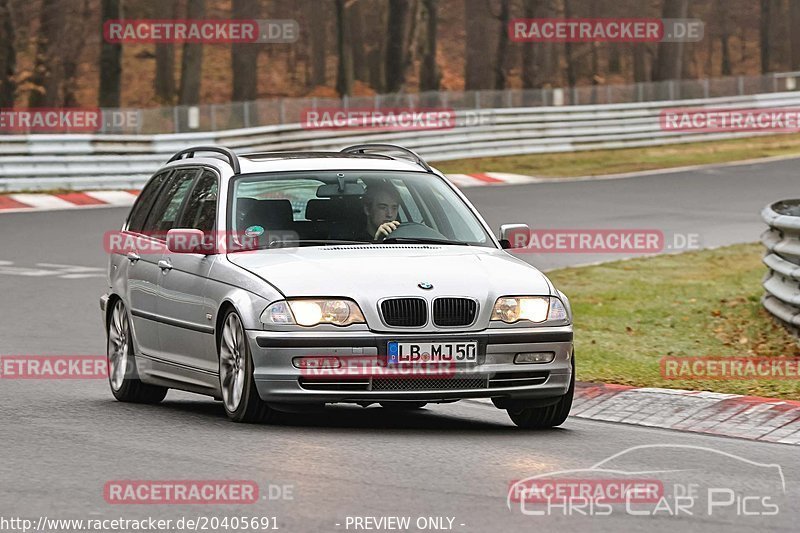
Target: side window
{"x": 145, "y": 202}
{"x": 201, "y": 207}
{"x": 165, "y": 212}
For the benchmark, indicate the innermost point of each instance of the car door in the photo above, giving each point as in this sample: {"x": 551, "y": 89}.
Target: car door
{"x": 187, "y": 332}
{"x": 159, "y": 220}
{"x": 138, "y": 265}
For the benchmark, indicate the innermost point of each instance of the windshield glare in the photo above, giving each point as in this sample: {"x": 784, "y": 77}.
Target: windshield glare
{"x": 314, "y": 209}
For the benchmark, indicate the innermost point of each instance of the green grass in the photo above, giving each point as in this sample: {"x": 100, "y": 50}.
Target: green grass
{"x": 598, "y": 162}
{"x": 630, "y": 314}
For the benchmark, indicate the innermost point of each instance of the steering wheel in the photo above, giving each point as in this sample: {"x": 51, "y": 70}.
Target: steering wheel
{"x": 415, "y": 230}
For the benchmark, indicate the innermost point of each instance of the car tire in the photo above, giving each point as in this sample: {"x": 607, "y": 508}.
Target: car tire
{"x": 122, "y": 374}
{"x": 239, "y": 394}
{"x": 403, "y": 406}
{"x": 548, "y": 416}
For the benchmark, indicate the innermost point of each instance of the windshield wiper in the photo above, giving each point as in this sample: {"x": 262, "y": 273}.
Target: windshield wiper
{"x": 422, "y": 240}
{"x": 319, "y": 242}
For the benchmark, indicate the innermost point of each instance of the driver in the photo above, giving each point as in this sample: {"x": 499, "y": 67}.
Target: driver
{"x": 381, "y": 201}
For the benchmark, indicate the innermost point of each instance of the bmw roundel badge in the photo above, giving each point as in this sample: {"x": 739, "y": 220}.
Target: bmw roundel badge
{"x": 425, "y": 285}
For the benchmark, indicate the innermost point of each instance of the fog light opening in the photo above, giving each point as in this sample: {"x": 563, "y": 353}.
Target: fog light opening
{"x": 534, "y": 358}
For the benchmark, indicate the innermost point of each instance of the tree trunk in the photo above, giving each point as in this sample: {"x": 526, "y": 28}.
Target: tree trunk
{"x": 165, "y": 59}
{"x": 639, "y": 62}
{"x": 572, "y": 76}
{"x": 244, "y": 56}
{"x": 480, "y": 41}
{"x": 430, "y": 77}
{"x": 500, "y": 72}
{"x": 397, "y": 44}
{"x": 794, "y": 33}
{"x": 764, "y": 36}
{"x": 344, "y": 75}
{"x": 724, "y": 37}
{"x": 46, "y": 77}
{"x": 319, "y": 50}
{"x": 192, "y": 60}
{"x": 8, "y": 56}
{"x": 669, "y": 56}
{"x": 377, "y": 56}
{"x": 110, "y": 59}
{"x": 358, "y": 41}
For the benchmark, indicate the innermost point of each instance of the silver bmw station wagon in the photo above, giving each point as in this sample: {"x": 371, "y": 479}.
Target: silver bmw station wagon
{"x": 284, "y": 281}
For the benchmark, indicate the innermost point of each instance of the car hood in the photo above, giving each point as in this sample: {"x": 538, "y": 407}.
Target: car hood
{"x": 371, "y": 272}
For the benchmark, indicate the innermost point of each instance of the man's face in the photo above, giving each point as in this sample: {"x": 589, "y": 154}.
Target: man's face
{"x": 382, "y": 209}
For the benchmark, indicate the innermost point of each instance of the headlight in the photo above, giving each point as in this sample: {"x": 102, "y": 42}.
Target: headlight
{"x": 310, "y": 312}
{"x": 510, "y": 309}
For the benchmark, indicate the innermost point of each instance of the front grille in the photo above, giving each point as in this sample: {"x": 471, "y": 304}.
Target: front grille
{"x": 454, "y": 311}
{"x": 420, "y": 384}
{"x": 405, "y": 312}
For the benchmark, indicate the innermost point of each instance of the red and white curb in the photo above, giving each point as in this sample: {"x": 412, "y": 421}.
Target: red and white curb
{"x": 730, "y": 415}
{"x": 69, "y": 200}
{"x": 74, "y": 200}
{"x": 490, "y": 178}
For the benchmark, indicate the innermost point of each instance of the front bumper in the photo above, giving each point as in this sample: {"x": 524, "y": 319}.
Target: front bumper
{"x": 494, "y": 376}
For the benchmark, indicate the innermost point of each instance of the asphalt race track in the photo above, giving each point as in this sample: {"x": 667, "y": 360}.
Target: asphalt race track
{"x": 62, "y": 441}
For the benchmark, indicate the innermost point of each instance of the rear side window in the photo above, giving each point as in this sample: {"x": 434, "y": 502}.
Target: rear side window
{"x": 164, "y": 214}
{"x": 201, "y": 207}
{"x": 145, "y": 202}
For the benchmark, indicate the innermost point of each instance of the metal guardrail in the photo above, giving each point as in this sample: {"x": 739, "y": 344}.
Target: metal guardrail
{"x": 81, "y": 161}
{"x": 782, "y": 281}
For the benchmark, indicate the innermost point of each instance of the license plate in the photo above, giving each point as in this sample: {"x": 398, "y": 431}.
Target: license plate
{"x": 432, "y": 352}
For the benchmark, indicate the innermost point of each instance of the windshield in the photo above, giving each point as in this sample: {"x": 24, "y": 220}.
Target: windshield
{"x": 349, "y": 207}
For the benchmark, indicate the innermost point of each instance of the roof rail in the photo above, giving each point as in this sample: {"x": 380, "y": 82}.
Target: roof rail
{"x": 233, "y": 160}
{"x": 362, "y": 149}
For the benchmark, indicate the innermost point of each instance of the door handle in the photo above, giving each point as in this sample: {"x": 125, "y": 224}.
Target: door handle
{"x": 165, "y": 265}
{"x": 133, "y": 257}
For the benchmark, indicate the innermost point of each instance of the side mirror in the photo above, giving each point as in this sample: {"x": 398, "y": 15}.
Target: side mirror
{"x": 514, "y": 235}
{"x": 186, "y": 241}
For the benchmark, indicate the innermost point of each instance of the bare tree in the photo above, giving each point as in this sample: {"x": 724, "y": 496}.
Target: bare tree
{"x": 165, "y": 58}
{"x": 669, "y": 56}
{"x": 764, "y": 31}
{"x": 479, "y": 45}
{"x": 244, "y": 56}
{"x": 724, "y": 37}
{"x": 397, "y": 45}
{"x": 318, "y": 34}
{"x": 192, "y": 60}
{"x": 8, "y": 56}
{"x": 430, "y": 77}
{"x": 344, "y": 74}
{"x": 794, "y": 34}
{"x": 356, "y": 13}
{"x": 45, "y": 79}
{"x": 500, "y": 69}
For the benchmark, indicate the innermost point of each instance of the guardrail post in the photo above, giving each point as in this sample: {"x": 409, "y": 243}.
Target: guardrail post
{"x": 705, "y": 88}
{"x": 282, "y": 112}
{"x": 175, "y": 120}
{"x": 213, "y": 113}
{"x": 246, "y": 114}
{"x": 740, "y": 85}
{"x": 477, "y": 99}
